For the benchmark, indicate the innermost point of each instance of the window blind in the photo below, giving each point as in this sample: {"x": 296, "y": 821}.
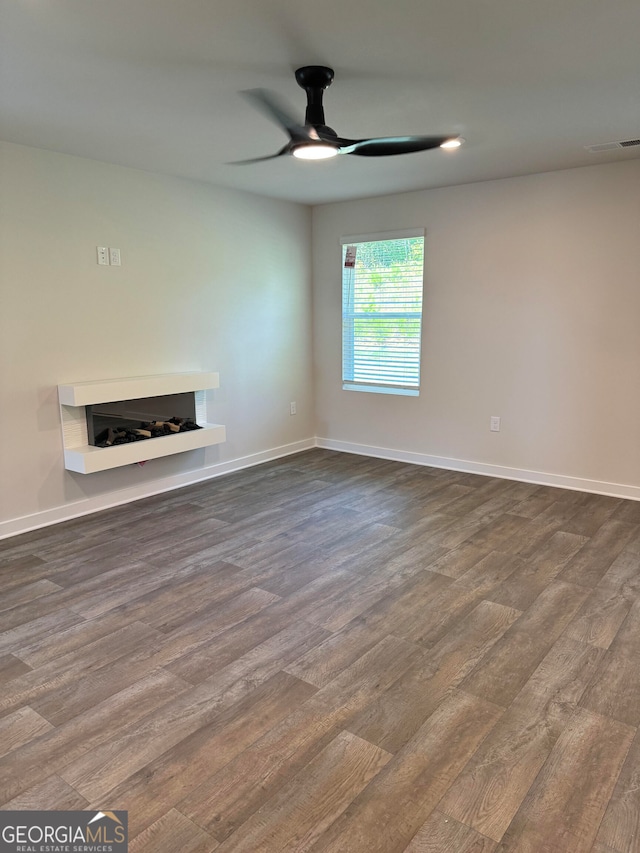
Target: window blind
{"x": 382, "y": 286}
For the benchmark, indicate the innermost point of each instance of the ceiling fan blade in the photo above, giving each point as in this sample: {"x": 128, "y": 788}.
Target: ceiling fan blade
{"x": 278, "y": 111}
{"x": 387, "y": 146}
{"x": 285, "y": 150}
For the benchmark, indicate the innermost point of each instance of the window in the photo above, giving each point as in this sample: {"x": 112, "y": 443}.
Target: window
{"x": 382, "y": 283}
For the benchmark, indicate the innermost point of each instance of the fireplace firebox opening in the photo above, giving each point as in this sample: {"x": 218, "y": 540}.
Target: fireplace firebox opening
{"x": 124, "y": 421}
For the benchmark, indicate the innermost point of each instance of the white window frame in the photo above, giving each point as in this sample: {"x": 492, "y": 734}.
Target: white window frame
{"x": 349, "y": 315}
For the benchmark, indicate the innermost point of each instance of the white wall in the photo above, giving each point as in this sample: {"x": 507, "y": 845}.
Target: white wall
{"x": 211, "y": 279}
{"x": 532, "y": 313}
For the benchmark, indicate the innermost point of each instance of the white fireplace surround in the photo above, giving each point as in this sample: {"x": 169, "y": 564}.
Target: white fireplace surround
{"x": 84, "y": 458}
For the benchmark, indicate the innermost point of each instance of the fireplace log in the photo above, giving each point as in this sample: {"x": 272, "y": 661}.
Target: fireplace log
{"x": 153, "y": 429}
{"x": 170, "y": 425}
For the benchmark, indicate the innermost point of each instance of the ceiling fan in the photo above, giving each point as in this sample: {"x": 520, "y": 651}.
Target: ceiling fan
{"x": 315, "y": 141}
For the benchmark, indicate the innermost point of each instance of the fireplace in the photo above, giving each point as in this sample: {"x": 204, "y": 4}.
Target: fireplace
{"x": 116, "y": 422}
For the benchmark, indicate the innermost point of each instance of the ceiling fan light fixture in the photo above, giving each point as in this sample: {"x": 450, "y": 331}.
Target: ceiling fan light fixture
{"x": 314, "y": 151}
{"x": 452, "y": 144}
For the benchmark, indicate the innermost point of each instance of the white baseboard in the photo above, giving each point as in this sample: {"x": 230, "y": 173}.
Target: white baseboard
{"x": 578, "y": 484}
{"x": 13, "y": 527}
{"x": 76, "y": 509}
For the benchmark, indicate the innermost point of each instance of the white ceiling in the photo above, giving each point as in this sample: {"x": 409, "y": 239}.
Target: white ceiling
{"x": 154, "y": 84}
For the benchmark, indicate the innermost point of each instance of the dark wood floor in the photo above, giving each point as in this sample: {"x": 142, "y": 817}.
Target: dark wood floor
{"x": 332, "y": 653}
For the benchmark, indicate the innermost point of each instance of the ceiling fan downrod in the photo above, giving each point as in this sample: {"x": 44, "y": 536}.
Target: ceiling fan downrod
{"x": 314, "y": 79}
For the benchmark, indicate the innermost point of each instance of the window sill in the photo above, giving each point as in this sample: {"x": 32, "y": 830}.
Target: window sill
{"x": 381, "y": 389}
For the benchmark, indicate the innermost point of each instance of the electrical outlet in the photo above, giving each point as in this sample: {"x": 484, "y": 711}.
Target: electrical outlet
{"x": 114, "y": 257}
{"x": 103, "y": 256}
{"x": 494, "y": 424}
{"x": 292, "y": 408}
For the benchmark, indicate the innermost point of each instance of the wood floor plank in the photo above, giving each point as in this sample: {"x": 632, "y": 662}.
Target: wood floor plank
{"x": 322, "y": 664}
{"x": 94, "y": 602}
{"x": 20, "y": 548}
{"x": 150, "y": 781}
{"x": 390, "y": 810}
{"x": 624, "y": 575}
{"x": 531, "y": 578}
{"x": 628, "y": 511}
{"x": 86, "y": 568}
{"x": 65, "y": 743}
{"x": 244, "y": 636}
{"x": 540, "y": 531}
{"x": 442, "y": 834}
{"x": 37, "y": 627}
{"x": 500, "y": 533}
{"x": 212, "y": 598}
{"x": 600, "y": 617}
{"x": 11, "y": 578}
{"x": 30, "y": 611}
{"x": 457, "y": 561}
{"x": 96, "y": 775}
{"x": 410, "y": 516}
{"x": 368, "y": 538}
{"x": 172, "y": 604}
{"x": 488, "y": 501}
{"x": 11, "y": 667}
{"x": 234, "y": 648}
{"x": 615, "y": 691}
{"x": 565, "y": 805}
{"x": 77, "y": 636}
{"x": 34, "y": 686}
{"x": 620, "y": 827}
{"x": 62, "y": 701}
{"x": 170, "y": 833}
{"x": 633, "y": 545}
{"x": 63, "y": 704}
{"x": 593, "y": 560}
{"x": 295, "y": 817}
{"x": 19, "y": 728}
{"x": 282, "y": 581}
{"x": 323, "y": 528}
{"x": 274, "y": 557}
{"x": 563, "y": 509}
{"x": 52, "y": 794}
{"x": 350, "y": 601}
{"x": 503, "y": 672}
{"x": 493, "y": 570}
{"x": 229, "y": 798}
{"x": 403, "y": 605}
{"x": 453, "y": 603}
{"x": 179, "y": 519}
{"x": 593, "y": 513}
{"x": 18, "y": 570}
{"x": 537, "y": 502}
{"x": 392, "y": 719}
{"x": 205, "y": 627}
{"x": 489, "y": 791}
{"x": 198, "y": 551}
{"x": 459, "y": 531}
{"x": 24, "y": 594}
